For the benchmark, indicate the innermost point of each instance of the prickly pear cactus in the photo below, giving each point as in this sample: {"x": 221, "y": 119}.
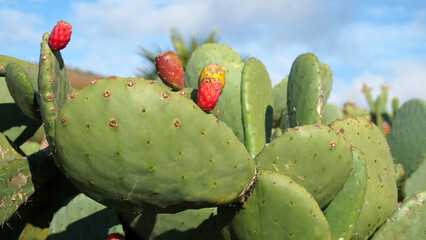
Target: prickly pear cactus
{"x": 22, "y": 86}
{"x": 135, "y": 145}
{"x": 31, "y": 232}
{"x": 113, "y": 146}
{"x": 331, "y": 113}
{"x": 278, "y": 208}
{"x": 53, "y": 86}
{"x": 280, "y": 105}
{"x": 188, "y": 224}
{"x": 21, "y": 176}
{"x": 83, "y": 218}
{"x": 407, "y": 142}
{"x": 381, "y": 193}
{"x": 4, "y": 60}
{"x": 351, "y": 109}
{"x": 228, "y": 108}
{"x": 343, "y": 212}
{"x": 14, "y": 124}
{"x": 257, "y": 105}
{"x": 406, "y": 223}
{"x": 15, "y": 179}
{"x": 327, "y": 81}
{"x": 416, "y": 182}
{"x": 315, "y": 156}
{"x": 305, "y": 96}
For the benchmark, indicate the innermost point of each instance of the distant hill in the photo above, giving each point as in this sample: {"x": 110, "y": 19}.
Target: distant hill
{"x": 80, "y": 78}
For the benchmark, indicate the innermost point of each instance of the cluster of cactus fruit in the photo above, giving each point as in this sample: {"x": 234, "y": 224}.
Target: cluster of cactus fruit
{"x": 129, "y": 158}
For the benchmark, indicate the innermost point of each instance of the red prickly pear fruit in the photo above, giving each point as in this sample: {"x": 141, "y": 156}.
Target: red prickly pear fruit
{"x": 60, "y": 36}
{"x": 170, "y": 70}
{"x": 208, "y": 93}
{"x": 115, "y": 236}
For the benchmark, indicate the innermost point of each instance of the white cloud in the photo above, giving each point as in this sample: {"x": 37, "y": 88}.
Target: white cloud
{"x": 19, "y": 27}
{"x": 344, "y": 91}
{"x": 278, "y": 68}
{"x": 278, "y": 22}
{"x": 136, "y": 18}
{"x": 405, "y": 80}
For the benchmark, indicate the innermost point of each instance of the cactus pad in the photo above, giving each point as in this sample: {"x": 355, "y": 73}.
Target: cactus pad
{"x": 4, "y": 60}
{"x": 381, "y": 194}
{"x": 228, "y": 108}
{"x": 22, "y": 87}
{"x": 304, "y": 92}
{"x": 83, "y": 218}
{"x": 257, "y": 105}
{"x": 280, "y": 104}
{"x": 343, "y": 212}
{"x": 14, "y": 124}
{"x": 279, "y": 208}
{"x": 133, "y": 145}
{"x": 351, "y": 109}
{"x": 416, "y": 181}
{"x": 15, "y": 180}
{"x": 407, "y": 138}
{"x": 406, "y": 223}
{"x": 331, "y": 113}
{"x": 53, "y": 86}
{"x": 327, "y": 81}
{"x": 315, "y": 156}
{"x": 189, "y": 224}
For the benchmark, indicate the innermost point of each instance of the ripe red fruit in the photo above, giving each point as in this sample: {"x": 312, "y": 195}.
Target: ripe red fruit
{"x": 60, "y": 36}
{"x": 208, "y": 93}
{"x": 170, "y": 70}
{"x": 115, "y": 236}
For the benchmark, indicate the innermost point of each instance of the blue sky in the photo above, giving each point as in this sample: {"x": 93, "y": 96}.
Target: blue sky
{"x": 380, "y": 42}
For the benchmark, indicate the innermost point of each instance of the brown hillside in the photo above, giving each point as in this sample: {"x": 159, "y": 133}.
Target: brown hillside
{"x": 80, "y": 78}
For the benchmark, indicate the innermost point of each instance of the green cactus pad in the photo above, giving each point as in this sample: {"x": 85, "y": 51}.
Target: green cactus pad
{"x": 133, "y": 145}
{"x": 351, "y": 110}
{"x": 381, "y": 194}
{"x": 22, "y": 88}
{"x": 399, "y": 172}
{"x": 14, "y": 124}
{"x": 278, "y": 208}
{"x": 257, "y": 105}
{"x": 407, "y": 138}
{"x": 406, "y": 223}
{"x": 228, "y": 108}
{"x": 416, "y": 181}
{"x": 33, "y": 217}
{"x": 343, "y": 212}
{"x": 33, "y": 232}
{"x": 327, "y": 81}
{"x": 53, "y": 86}
{"x": 15, "y": 180}
{"x": 83, "y": 218}
{"x": 4, "y": 60}
{"x": 331, "y": 113}
{"x": 280, "y": 103}
{"x": 189, "y": 224}
{"x": 315, "y": 156}
{"x": 304, "y": 92}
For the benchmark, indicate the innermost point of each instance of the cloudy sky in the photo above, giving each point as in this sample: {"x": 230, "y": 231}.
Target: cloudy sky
{"x": 380, "y": 42}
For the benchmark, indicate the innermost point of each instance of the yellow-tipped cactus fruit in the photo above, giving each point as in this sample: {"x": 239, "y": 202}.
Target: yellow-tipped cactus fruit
{"x": 213, "y": 71}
